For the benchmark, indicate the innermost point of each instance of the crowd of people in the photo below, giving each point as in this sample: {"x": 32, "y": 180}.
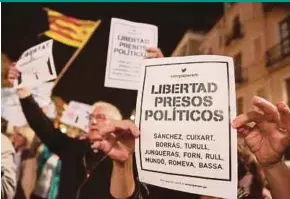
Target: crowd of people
{"x": 41, "y": 162}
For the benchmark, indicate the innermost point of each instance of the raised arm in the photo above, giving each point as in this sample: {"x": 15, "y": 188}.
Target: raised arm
{"x": 268, "y": 140}
{"x": 53, "y": 138}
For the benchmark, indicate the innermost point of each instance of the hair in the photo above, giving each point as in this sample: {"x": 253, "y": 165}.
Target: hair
{"x": 27, "y": 133}
{"x": 113, "y": 112}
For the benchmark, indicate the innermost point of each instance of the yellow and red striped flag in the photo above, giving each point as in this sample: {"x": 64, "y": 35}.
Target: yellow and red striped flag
{"x": 68, "y": 30}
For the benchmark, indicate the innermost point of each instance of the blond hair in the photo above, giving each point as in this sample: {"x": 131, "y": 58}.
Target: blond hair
{"x": 27, "y": 133}
{"x": 113, "y": 112}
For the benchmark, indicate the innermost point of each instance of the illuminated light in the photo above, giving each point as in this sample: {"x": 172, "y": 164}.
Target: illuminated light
{"x": 132, "y": 117}
{"x": 63, "y": 129}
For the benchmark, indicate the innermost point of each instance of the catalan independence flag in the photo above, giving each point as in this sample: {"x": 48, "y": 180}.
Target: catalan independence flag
{"x": 68, "y": 30}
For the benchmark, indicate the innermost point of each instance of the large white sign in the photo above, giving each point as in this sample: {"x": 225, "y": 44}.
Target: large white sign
{"x": 10, "y": 105}
{"x": 36, "y": 65}
{"x": 184, "y": 115}
{"x": 127, "y": 44}
{"x": 77, "y": 114}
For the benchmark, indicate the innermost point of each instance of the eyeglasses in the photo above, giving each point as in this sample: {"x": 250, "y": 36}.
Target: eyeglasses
{"x": 97, "y": 117}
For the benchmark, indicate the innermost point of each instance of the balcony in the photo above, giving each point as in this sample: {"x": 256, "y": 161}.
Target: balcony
{"x": 236, "y": 32}
{"x": 278, "y": 54}
{"x": 240, "y": 76}
{"x": 269, "y": 6}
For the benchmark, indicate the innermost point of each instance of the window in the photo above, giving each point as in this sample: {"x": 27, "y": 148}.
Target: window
{"x": 210, "y": 51}
{"x": 257, "y": 48}
{"x": 285, "y": 36}
{"x": 262, "y": 93}
{"x": 287, "y": 81}
{"x": 238, "y": 67}
{"x": 240, "y": 105}
{"x": 237, "y": 31}
{"x": 221, "y": 42}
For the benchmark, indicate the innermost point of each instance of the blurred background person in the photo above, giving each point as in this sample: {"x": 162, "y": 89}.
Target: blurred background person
{"x": 8, "y": 169}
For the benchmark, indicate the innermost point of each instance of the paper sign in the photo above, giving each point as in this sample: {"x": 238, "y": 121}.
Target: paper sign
{"x": 10, "y": 105}
{"x": 127, "y": 44}
{"x": 77, "y": 114}
{"x": 184, "y": 116}
{"x": 36, "y": 65}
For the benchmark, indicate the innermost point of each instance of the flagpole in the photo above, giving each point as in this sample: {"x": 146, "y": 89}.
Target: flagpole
{"x": 76, "y": 53}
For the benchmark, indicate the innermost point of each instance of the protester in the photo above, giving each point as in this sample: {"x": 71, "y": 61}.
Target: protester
{"x": 268, "y": 140}
{"x": 8, "y": 169}
{"x": 85, "y": 172}
{"x": 76, "y": 155}
{"x": 22, "y": 138}
{"x": 48, "y": 174}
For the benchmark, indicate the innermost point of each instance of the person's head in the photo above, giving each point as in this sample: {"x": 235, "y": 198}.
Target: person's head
{"x": 22, "y": 137}
{"x": 102, "y": 112}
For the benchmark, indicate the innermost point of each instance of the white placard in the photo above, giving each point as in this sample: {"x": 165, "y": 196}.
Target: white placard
{"x": 10, "y": 105}
{"x": 127, "y": 44}
{"x": 36, "y": 65}
{"x": 77, "y": 114}
{"x": 184, "y": 116}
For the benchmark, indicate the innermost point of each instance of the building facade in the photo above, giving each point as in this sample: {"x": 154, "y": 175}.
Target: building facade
{"x": 257, "y": 36}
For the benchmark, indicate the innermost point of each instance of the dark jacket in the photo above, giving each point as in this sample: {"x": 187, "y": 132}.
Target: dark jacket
{"x": 75, "y": 154}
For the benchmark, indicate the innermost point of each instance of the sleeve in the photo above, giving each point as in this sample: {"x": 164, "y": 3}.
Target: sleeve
{"x": 8, "y": 169}
{"x": 141, "y": 191}
{"x": 28, "y": 179}
{"x": 53, "y": 138}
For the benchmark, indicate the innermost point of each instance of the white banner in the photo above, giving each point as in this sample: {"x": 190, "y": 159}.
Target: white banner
{"x": 184, "y": 116}
{"x": 36, "y": 65}
{"x": 77, "y": 114}
{"x": 10, "y": 104}
{"x": 127, "y": 43}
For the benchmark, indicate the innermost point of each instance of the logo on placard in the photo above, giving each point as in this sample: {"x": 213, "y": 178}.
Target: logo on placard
{"x": 184, "y": 74}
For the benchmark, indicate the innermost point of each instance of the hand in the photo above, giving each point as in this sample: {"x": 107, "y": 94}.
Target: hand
{"x": 13, "y": 73}
{"x": 153, "y": 52}
{"x": 270, "y": 136}
{"x": 114, "y": 138}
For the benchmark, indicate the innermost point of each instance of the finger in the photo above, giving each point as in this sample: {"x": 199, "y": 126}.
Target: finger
{"x": 94, "y": 136}
{"x": 284, "y": 115}
{"x": 253, "y": 139}
{"x": 12, "y": 76}
{"x": 14, "y": 72}
{"x": 108, "y": 144}
{"x": 96, "y": 145}
{"x": 118, "y": 128}
{"x": 271, "y": 112}
{"x": 83, "y": 137}
{"x": 151, "y": 55}
{"x": 156, "y": 51}
{"x": 127, "y": 126}
{"x": 246, "y": 118}
{"x": 244, "y": 131}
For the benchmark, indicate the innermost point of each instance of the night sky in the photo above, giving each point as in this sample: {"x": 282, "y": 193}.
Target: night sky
{"x": 22, "y": 22}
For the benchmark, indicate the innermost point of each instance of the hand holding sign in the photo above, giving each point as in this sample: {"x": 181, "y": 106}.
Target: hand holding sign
{"x": 153, "y": 52}
{"x": 114, "y": 138}
{"x": 270, "y": 137}
{"x": 35, "y": 65}
{"x": 127, "y": 48}
{"x": 184, "y": 117}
